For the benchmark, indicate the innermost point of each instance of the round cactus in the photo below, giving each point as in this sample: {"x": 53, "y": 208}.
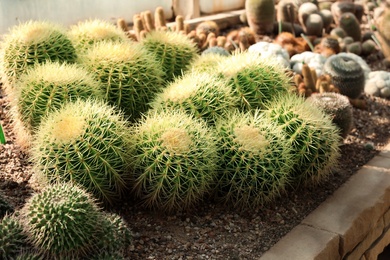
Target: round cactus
{"x": 173, "y": 51}
{"x": 85, "y": 142}
{"x": 173, "y": 161}
{"x": 254, "y": 79}
{"x": 346, "y": 74}
{"x": 260, "y": 15}
{"x": 46, "y": 87}
{"x": 61, "y": 221}
{"x": 206, "y": 63}
{"x": 34, "y": 42}
{"x": 255, "y": 159}
{"x": 130, "y": 76}
{"x": 311, "y": 133}
{"x": 86, "y": 33}
{"x": 203, "y": 95}
{"x": 216, "y": 50}
{"x": 351, "y": 26}
{"x": 12, "y": 237}
{"x": 338, "y": 107}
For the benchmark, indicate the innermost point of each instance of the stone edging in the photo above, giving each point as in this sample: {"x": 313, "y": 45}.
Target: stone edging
{"x": 353, "y": 223}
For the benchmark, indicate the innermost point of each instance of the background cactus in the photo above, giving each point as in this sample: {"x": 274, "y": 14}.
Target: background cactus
{"x": 346, "y": 74}
{"x": 12, "y": 237}
{"x": 203, "y": 95}
{"x": 173, "y": 51}
{"x": 85, "y": 142}
{"x": 260, "y": 15}
{"x": 314, "y": 25}
{"x": 255, "y": 159}
{"x": 45, "y": 88}
{"x": 383, "y": 31}
{"x": 216, "y": 50}
{"x": 86, "y": 33}
{"x": 351, "y": 26}
{"x": 254, "y": 79}
{"x": 310, "y": 132}
{"x": 33, "y": 42}
{"x": 5, "y": 207}
{"x": 174, "y": 160}
{"x": 337, "y": 106}
{"x": 130, "y": 76}
{"x": 206, "y": 63}
{"x": 61, "y": 221}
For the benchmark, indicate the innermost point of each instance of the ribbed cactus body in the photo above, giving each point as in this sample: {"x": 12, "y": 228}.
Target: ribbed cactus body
{"x": 346, "y": 74}
{"x": 12, "y": 237}
{"x": 130, "y": 76}
{"x": 255, "y": 159}
{"x": 61, "y": 221}
{"x": 254, "y": 79}
{"x": 85, "y": 142}
{"x": 310, "y": 132}
{"x": 260, "y": 15}
{"x": 173, "y": 160}
{"x": 173, "y": 51}
{"x": 34, "y": 42}
{"x": 86, "y": 33}
{"x": 338, "y": 107}
{"x": 203, "y": 95}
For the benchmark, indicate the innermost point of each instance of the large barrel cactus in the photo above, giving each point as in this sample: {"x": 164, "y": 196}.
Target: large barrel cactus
{"x": 255, "y": 158}
{"x": 173, "y": 160}
{"x": 85, "y": 142}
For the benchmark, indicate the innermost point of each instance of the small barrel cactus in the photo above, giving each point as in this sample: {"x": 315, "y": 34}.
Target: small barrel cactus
{"x": 304, "y": 11}
{"x": 314, "y": 25}
{"x": 85, "y": 142}
{"x": 338, "y": 107}
{"x": 351, "y": 26}
{"x": 203, "y": 95}
{"x": 206, "y": 63}
{"x": 12, "y": 237}
{"x": 34, "y": 42}
{"x": 86, "y": 33}
{"x": 346, "y": 74}
{"x": 174, "y": 160}
{"x": 255, "y": 159}
{"x": 61, "y": 221}
{"x": 260, "y": 15}
{"x": 46, "y": 87}
{"x": 130, "y": 76}
{"x": 173, "y": 51}
{"x": 254, "y": 79}
{"x": 378, "y": 84}
{"x": 312, "y": 135}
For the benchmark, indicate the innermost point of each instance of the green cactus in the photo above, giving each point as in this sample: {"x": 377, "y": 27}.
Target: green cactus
{"x": 61, "y": 221}
{"x": 5, "y": 207}
{"x": 338, "y": 107}
{"x": 255, "y": 160}
{"x": 29, "y": 255}
{"x": 314, "y": 25}
{"x": 46, "y": 87}
{"x": 33, "y": 42}
{"x": 85, "y": 142}
{"x": 260, "y": 15}
{"x": 346, "y": 74}
{"x": 312, "y": 135}
{"x": 173, "y": 51}
{"x": 173, "y": 161}
{"x": 254, "y": 79}
{"x": 130, "y": 76}
{"x": 206, "y": 63}
{"x": 86, "y": 33}
{"x": 12, "y": 237}
{"x": 350, "y": 24}
{"x": 203, "y": 95}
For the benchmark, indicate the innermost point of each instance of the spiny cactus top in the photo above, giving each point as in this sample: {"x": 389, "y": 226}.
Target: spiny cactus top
{"x": 34, "y": 42}
{"x": 12, "y": 237}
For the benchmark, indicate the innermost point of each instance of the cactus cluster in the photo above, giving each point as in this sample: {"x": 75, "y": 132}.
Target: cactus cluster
{"x": 12, "y": 237}
{"x": 85, "y": 142}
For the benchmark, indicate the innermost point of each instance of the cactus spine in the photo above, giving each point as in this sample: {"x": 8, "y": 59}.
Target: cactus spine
{"x": 12, "y": 237}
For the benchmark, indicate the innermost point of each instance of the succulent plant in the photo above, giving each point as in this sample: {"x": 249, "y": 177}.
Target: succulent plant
{"x": 287, "y": 11}
{"x": 130, "y": 76}
{"x": 86, "y": 33}
{"x": 216, "y": 50}
{"x": 29, "y": 255}
{"x": 12, "y": 237}
{"x": 378, "y": 84}
{"x": 61, "y": 221}
{"x": 206, "y": 63}
{"x": 260, "y": 15}
{"x": 173, "y": 161}
{"x": 312, "y": 135}
{"x": 338, "y": 107}
{"x": 346, "y": 74}
{"x": 382, "y": 24}
{"x": 351, "y": 26}
{"x": 314, "y": 25}
{"x": 33, "y": 42}
{"x": 202, "y": 95}
{"x": 173, "y": 51}
{"x": 85, "y": 142}
{"x": 5, "y": 206}
{"x": 254, "y": 79}
{"x": 304, "y": 11}
{"x": 46, "y": 87}
{"x": 255, "y": 159}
